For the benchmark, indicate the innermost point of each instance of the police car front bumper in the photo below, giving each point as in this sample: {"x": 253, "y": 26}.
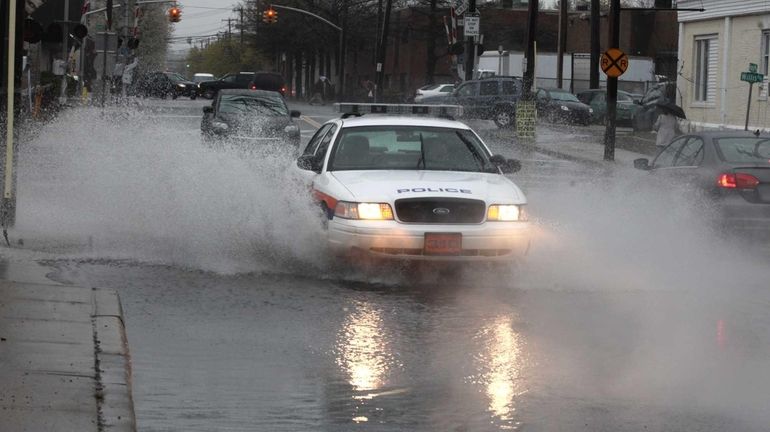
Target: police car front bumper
{"x": 489, "y": 241}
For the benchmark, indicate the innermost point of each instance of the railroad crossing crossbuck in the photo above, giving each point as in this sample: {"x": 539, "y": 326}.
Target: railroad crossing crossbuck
{"x": 614, "y": 62}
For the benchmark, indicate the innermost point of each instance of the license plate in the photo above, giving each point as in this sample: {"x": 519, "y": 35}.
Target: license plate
{"x": 443, "y": 244}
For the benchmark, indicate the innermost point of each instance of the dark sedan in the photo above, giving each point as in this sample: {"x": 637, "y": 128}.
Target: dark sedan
{"x": 557, "y": 105}
{"x": 250, "y": 117}
{"x": 732, "y": 168}
{"x": 165, "y": 84}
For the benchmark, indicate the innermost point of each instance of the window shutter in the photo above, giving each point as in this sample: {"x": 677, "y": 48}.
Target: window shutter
{"x": 713, "y": 67}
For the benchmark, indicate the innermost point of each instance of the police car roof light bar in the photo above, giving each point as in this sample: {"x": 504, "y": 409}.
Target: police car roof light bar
{"x": 358, "y": 109}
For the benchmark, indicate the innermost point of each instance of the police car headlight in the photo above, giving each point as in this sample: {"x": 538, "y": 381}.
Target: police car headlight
{"x": 506, "y": 213}
{"x": 564, "y": 108}
{"x": 368, "y": 211}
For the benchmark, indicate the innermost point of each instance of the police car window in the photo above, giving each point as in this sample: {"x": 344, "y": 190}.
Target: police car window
{"x": 312, "y": 146}
{"x": 324, "y": 145}
{"x": 691, "y": 154}
{"x": 409, "y": 148}
{"x": 489, "y": 88}
{"x": 666, "y": 158}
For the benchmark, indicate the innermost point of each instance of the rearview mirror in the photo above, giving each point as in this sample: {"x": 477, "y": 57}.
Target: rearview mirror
{"x": 208, "y": 110}
{"x": 642, "y": 164}
{"x": 308, "y": 163}
{"x": 295, "y": 114}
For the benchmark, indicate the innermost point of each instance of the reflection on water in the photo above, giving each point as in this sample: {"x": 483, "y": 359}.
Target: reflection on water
{"x": 502, "y": 363}
{"x": 363, "y": 352}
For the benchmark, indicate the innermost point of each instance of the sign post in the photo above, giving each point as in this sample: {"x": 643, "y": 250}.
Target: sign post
{"x": 751, "y": 77}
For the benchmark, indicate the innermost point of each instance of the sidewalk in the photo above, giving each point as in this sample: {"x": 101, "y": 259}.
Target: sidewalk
{"x": 587, "y": 144}
{"x": 64, "y": 361}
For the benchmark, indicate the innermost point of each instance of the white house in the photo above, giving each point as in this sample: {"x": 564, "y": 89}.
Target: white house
{"x": 715, "y": 46}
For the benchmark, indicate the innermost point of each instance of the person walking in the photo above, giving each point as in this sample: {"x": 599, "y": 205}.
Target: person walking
{"x": 128, "y": 76}
{"x": 667, "y": 128}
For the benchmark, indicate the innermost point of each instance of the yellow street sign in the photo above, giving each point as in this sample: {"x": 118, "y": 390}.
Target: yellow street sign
{"x": 614, "y": 62}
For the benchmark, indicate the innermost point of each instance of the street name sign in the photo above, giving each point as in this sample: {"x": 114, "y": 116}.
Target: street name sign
{"x": 752, "y": 77}
{"x": 614, "y": 62}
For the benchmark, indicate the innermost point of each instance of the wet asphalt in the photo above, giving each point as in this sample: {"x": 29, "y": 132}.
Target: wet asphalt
{"x": 600, "y": 330}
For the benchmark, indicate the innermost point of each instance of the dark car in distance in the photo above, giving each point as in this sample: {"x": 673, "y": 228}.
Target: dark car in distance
{"x": 250, "y": 118}
{"x": 732, "y": 169}
{"x": 270, "y": 81}
{"x": 240, "y": 80}
{"x": 491, "y": 98}
{"x": 560, "y": 106}
{"x": 165, "y": 84}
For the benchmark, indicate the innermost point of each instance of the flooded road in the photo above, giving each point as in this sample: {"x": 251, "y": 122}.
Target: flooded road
{"x": 627, "y": 316}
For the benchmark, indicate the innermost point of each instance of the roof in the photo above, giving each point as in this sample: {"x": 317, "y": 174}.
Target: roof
{"x": 248, "y": 92}
{"x": 385, "y": 120}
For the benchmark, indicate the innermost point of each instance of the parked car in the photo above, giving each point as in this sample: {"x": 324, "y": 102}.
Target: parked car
{"x": 558, "y": 105}
{"x": 432, "y": 90}
{"x": 240, "y": 80}
{"x": 164, "y": 84}
{"x": 200, "y": 77}
{"x": 597, "y": 100}
{"x": 732, "y": 168}
{"x": 490, "y": 99}
{"x": 250, "y": 118}
{"x": 648, "y": 111}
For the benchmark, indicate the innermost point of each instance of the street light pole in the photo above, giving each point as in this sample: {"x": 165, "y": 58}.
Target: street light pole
{"x": 612, "y": 85}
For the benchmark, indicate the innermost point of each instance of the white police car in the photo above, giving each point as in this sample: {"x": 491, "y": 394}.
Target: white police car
{"x": 414, "y": 187}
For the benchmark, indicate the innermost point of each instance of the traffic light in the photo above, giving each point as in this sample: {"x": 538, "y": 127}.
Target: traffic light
{"x": 174, "y": 14}
{"x": 270, "y": 16}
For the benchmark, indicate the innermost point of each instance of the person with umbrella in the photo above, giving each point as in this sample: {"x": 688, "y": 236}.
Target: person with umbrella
{"x": 667, "y": 125}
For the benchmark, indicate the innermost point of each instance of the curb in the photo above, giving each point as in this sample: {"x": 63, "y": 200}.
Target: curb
{"x": 115, "y": 405}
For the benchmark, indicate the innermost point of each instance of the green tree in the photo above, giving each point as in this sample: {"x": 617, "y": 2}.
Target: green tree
{"x": 154, "y": 31}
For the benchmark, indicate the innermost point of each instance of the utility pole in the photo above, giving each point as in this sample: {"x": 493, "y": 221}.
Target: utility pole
{"x": 612, "y": 85}
{"x": 595, "y": 44}
{"x": 377, "y": 42}
{"x": 383, "y": 49}
{"x": 470, "y": 44}
{"x": 240, "y": 13}
{"x": 529, "y": 73}
{"x": 229, "y": 27}
{"x": 563, "y": 20}
{"x": 64, "y": 55}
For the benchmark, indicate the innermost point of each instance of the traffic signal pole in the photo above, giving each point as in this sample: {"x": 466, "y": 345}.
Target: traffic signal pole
{"x": 529, "y": 73}
{"x": 595, "y": 44}
{"x": 612, "y": 85}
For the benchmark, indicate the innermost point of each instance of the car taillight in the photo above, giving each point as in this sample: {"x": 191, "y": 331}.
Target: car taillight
{"x": 737, "y": 181}
{"x": 283, "y": 90}
{"x": 253, "y": 87}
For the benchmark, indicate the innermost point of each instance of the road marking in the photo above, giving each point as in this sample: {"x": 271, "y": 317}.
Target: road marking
{"x": 177, "y": 116}
{"x": 310, "y": 121}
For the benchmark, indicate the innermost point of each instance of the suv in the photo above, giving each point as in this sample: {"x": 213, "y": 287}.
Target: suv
{"x": 491, "y": 98}
{"x": 240, "y": 80}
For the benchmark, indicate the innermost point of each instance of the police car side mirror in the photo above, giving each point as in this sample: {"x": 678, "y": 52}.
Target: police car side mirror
{"x": 642, "y": 164}
{"x": 308, "y": 163}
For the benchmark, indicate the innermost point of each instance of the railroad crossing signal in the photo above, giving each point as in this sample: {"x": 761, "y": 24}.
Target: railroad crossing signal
{"x": 174, "y": 14}
{"x": 614, "y": 62}
{"x": 270, "y": 16}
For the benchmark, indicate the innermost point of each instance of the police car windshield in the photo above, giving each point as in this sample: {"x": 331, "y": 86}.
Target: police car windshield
{"x": 409, "y": 148}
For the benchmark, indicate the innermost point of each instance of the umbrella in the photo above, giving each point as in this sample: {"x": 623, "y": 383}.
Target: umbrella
{"x": 672, "y": 109}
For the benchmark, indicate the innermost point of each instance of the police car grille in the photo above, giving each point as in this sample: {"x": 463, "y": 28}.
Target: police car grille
{"x": 440, "y": 210}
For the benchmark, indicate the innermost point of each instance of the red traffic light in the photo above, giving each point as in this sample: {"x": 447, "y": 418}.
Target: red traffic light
{"x": 174, "y": 14}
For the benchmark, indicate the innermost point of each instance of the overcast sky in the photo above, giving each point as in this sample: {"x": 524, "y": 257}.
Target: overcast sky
{"x": 202, "y": 17}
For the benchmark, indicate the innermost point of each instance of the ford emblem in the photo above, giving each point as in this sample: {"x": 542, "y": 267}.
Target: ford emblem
{"x": 441, "y": 211}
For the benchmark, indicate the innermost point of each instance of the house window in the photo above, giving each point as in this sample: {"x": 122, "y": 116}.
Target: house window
{"x": 706, "y": 49}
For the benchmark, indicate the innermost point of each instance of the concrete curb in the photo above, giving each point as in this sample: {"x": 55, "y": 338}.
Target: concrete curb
{"x": 115, "y": 403}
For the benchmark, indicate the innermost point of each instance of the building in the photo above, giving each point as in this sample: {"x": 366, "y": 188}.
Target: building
{"x": 715, "y": 46}
{"x": 646, "y": 34}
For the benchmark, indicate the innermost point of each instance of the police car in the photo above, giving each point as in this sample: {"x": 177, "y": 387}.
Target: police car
{"x": 415, "y": 187}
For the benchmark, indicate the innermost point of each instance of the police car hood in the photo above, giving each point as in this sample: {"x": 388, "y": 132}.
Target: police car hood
{"x": 390, "y": 185}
